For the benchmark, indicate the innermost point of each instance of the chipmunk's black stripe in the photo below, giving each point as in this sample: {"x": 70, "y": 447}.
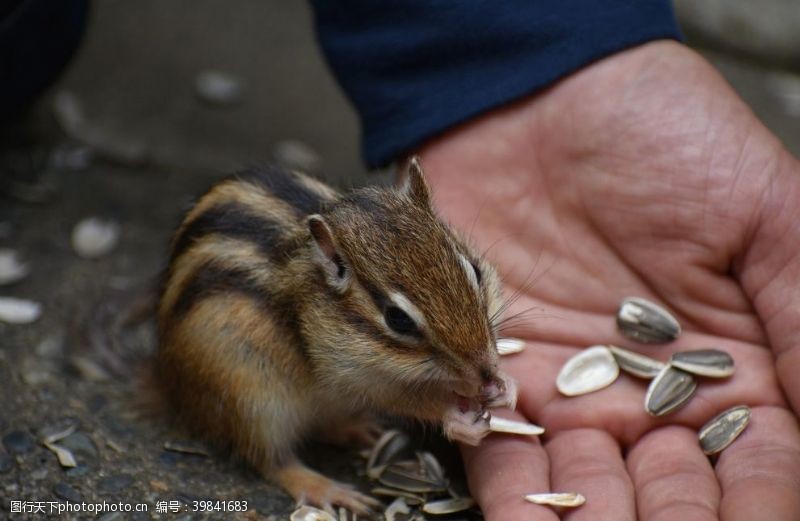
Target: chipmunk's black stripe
{"x": 210, "y": 279}
{"x": 234, "y": 221}
{"x": 285, "y": 185}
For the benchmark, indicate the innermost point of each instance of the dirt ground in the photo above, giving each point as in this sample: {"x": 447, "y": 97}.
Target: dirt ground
{"x": 156, "y": 145}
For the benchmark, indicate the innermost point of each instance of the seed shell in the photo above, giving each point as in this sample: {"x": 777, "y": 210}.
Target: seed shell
{"x": 307, "y": 513}
{"x": 590, "y": 370}
{"x": 704, "y": 362}
{"x": 636, "y": 364}
{"x": 646, "y": 322}
{"x": 509, "y": 346}
{"x": 723, "y": 429}
{"x": 19, "y": 311}
{"x": 65, "y": 457}
{"x": 561, "y": 499}
{"x": 448, "y": 506}
{"x": 395, "y": 477}
{"x": 389, "y": 445}
{"x": 671, "y": 389}
{"x": 514, "y": 427}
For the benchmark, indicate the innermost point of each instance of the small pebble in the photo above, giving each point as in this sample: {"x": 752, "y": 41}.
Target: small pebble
{"x": 111, "y": 516}
{"x": 6, "y": 463}
{"x": 77, "y": 472}
{"x": 18, "y": 442}
{"x": 67, "y": 493}
{"x": 114, "y": 483}
{"x": 80, "y": 444}
{"x": 38, "y": 474}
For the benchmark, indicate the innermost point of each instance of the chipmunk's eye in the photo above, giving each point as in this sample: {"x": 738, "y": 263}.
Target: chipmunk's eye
{"x": 399, "y": 321}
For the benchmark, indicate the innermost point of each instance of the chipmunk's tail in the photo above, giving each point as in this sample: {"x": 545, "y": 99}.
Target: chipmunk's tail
{"x": 118, "y": 341}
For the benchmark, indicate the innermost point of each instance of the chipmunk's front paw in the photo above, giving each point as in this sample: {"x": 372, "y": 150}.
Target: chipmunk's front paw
{"x": 468, "y": 427}
{"x": 501, "y": 393}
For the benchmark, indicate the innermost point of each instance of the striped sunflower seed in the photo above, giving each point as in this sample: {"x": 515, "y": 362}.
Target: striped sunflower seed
{"x": 704, "y": 362}
{"x": 645, "y": 322}
{"x": 723, "y": 429}
{"x": 590, "y": 370}
{"x": 636, "y": 364}
{"x": 671, "y": 389}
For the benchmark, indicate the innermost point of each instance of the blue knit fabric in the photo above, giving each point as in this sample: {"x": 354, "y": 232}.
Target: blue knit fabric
{"x": 414, "y": 68}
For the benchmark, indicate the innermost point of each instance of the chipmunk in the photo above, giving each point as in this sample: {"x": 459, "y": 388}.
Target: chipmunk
{"x": 289, "y": 308}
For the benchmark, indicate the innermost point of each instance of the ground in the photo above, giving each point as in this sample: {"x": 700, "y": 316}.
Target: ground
{"x": 134, "y": 77}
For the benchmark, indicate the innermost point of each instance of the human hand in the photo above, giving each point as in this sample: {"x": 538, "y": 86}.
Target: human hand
{"x": 643, "y": 174}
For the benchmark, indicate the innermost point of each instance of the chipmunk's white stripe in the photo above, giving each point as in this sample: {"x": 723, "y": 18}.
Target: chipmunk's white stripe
{"x": 467, "y": 265}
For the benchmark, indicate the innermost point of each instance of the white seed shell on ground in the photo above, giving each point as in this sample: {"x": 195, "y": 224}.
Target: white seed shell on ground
{"x": 514, "y": 427}
{"x": 448, "y": 506}
{"x": 590, "y": 370}
{"x": 12, "y": 269}
{"x": 64, "y": 455}
{"x": 509, "y": 346}
{"x": 19, "y": 311}
{"x": 307, "y": 513}
{"x": 398, "y": 506}
{"x": 723, "y": 429}
{"x": 561, "y": 499}
{"x": 94, "y": 237}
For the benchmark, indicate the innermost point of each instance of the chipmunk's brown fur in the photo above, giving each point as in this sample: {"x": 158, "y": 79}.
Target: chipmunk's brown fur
{"x": 289, "y": 308}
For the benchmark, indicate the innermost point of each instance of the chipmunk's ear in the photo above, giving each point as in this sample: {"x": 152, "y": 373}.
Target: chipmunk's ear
{"x": 414, "y": 185}
{"x": 327, "y": 254}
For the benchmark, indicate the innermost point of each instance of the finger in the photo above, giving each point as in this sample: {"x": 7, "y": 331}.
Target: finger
{"x": 590, "y": 462}
{"x": 760, "y": 471}
{"x": 672, "y": 477}
{"x": 502, "y": 470}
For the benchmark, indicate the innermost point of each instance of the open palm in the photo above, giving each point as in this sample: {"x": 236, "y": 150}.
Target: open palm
{"x": 641, "y": 175}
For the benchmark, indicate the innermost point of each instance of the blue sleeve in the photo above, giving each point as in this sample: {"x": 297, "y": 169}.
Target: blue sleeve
{"x": 414, "y": 68}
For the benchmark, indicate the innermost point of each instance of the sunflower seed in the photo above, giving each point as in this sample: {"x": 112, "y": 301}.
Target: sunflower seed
{"x": 448, "y": 506}
{"x": 12, "y": 269}
{"x": 588, "y": 371}
{"x": 509, "y": 346}
{"x": 561, "y": 499}
{"x": 186, "y": 447}
{"x": 721, "y": 431}
{"x": 409, "y": 481}
{"x": 704, "y": 362}
{"x": 671, "y": 389}
{"x": 307, "y": 513}
{"x": 645, "y": 322}
{"x": 514, "y": 427}
{"x": 636, "y": 364}
{"x": 19, "y": 311}
{"x": 388, "y": 446}
{"x": 398, "y": 506}
{"x": 410, "y": 497}
{"x": 431, "y": 466}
